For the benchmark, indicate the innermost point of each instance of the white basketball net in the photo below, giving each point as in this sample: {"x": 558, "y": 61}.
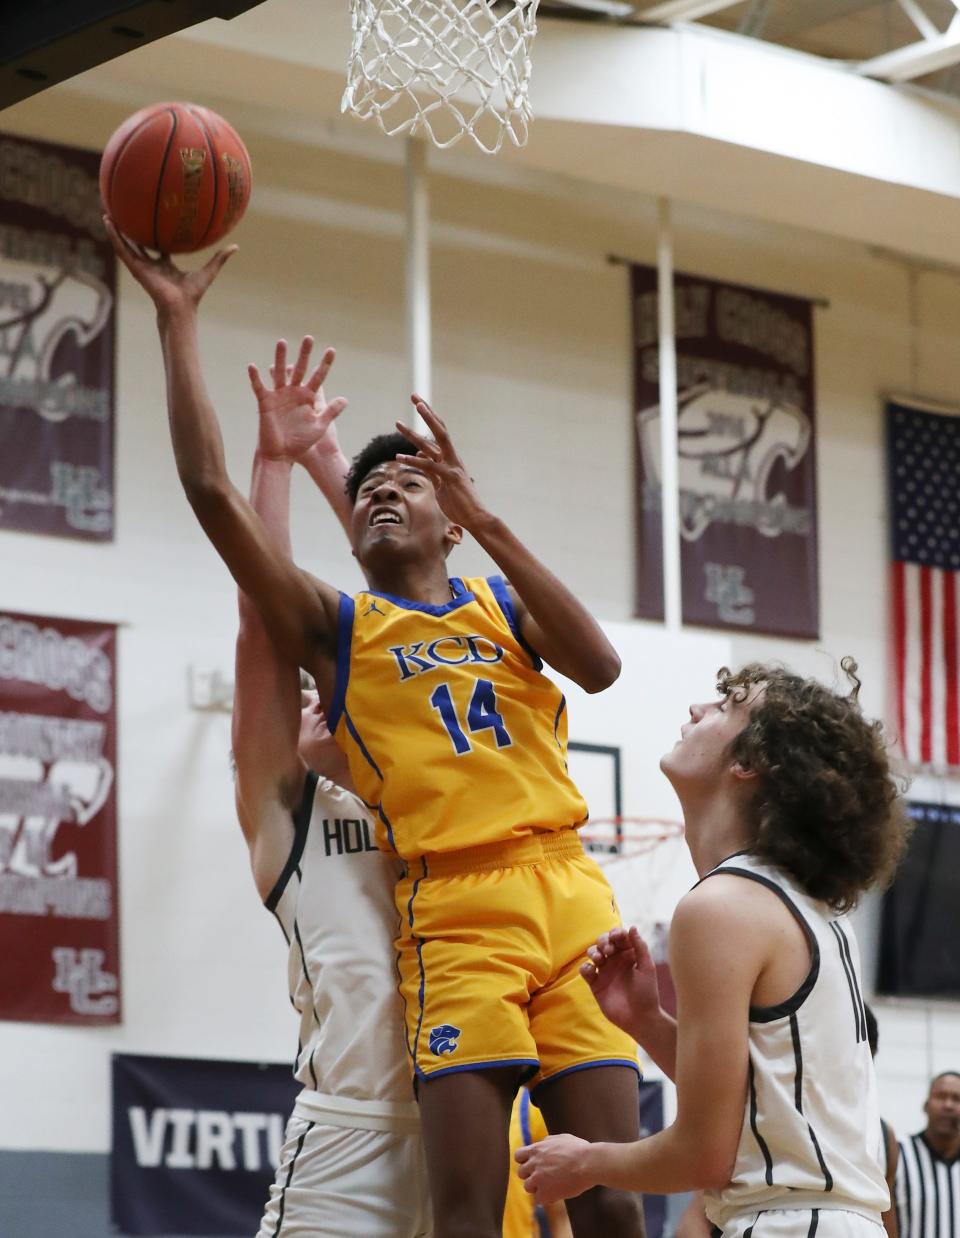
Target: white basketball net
{"x": 443, "y": 68}
{"x": 649, "y": 872}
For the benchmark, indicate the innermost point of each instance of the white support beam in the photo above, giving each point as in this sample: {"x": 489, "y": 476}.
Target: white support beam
{"x": 915, "y": 60}
{"x": 610, "y": 8}
{"x": 919, "y": 18}
{"x": 419, "y": 326}
{"x": 685, "y": 10}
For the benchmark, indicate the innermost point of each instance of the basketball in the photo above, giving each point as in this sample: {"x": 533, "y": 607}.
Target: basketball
{"x": 175, "y": 177}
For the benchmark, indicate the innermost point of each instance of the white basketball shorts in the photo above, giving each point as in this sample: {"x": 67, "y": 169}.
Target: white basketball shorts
{"x": 803, "y": 1223}
{"x": 345, "y": 1182}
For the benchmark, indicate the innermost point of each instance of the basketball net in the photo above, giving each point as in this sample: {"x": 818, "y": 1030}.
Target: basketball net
{"x": 644, "y": 861}
{"x": 443, "y": 68}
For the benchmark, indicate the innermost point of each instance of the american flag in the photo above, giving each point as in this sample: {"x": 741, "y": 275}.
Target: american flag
{"x": 923, "y": 451}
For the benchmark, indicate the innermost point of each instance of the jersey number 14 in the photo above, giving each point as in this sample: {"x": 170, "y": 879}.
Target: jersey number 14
{"x": 482, "y": 715}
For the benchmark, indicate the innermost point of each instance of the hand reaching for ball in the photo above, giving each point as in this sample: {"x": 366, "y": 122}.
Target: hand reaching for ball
{"x": 168, "y": 286}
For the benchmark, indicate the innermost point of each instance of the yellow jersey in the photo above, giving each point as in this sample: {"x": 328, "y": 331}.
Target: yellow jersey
{"x": 454, "y": 736}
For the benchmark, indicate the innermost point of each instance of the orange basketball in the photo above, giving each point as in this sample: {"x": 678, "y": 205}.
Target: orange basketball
{"x": 175, "y": 177}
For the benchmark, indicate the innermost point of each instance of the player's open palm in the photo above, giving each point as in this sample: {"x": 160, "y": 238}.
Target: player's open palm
{"x": 438, "y": 459}
{"x": 623, "y": 979}
{"x": 294, "y": 414}
{"x": 168, "y": 286}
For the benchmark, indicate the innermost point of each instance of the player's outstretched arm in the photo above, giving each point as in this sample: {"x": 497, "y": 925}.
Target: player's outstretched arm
{"x": 299, "y": 611}
{"x": 552, "y": 620}
{"x": 623, "y": 978}
{"x": 266, "y": 706}
{"x": 324, "y": 459}
{"x": 716, "y": 956}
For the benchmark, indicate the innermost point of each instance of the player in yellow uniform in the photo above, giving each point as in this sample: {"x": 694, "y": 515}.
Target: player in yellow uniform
{"x": 522, "y": 1217}
{"x": 457, "y": 741}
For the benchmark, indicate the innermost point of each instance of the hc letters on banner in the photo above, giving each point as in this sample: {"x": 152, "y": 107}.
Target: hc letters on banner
{"x": 747, "y": 461}
{"x": 58, "y": 850}
{"x": 57, "y": 296}
{"x": 195, "y": 1143}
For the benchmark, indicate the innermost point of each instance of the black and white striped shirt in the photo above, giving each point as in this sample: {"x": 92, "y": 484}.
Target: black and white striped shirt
{"x": 928, "y": 1191}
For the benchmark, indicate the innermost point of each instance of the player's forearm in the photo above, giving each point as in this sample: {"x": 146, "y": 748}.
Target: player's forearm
{"x": 666, "y": 1163}
{"x": 574, "y": 642}
{"x": 266, "y": 706}
{"x": 297, "y": 612}
{"x": 194, "y": 430}
{"x": 657, "y": 1036}
{"x": 329, "y": 471}
{"x": 270, "y": 499}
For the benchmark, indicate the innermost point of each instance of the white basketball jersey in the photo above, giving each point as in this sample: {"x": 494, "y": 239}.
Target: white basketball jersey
{"x": 811, "y": 1135}
{"x": 334, "y": 902}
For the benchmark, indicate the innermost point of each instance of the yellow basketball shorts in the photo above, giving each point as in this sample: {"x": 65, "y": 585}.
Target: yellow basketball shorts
{"x": 490, "y": 949}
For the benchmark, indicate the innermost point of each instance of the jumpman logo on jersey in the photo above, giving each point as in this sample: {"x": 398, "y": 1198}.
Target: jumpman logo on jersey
{"x": 373, "y": 607}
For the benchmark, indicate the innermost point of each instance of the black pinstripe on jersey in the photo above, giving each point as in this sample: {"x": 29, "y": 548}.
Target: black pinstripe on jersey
{"x": 289, "y": 1178}
{"x": 859, "y": 1014}
{"x": 798, "y": 1101}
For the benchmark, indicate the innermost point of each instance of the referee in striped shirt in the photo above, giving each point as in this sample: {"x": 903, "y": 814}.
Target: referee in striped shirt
{"x": 928, "y": 1175}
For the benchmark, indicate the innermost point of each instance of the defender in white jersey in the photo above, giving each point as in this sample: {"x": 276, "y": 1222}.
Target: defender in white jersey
{"x": 791, "y": 813}
{"x": 352, "y": 1165}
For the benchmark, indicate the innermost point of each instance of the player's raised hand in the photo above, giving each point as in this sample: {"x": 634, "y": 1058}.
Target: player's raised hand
{"x": 623, "y": 978}
{"x": 438, "y": 459}
{"x": 294, "y": 415}
{"x": 167, "y": 285}
{"x": 555, "y": 1168}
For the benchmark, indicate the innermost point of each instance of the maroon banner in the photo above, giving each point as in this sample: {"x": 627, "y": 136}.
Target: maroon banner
{"x": 57, "y": 295}
{"x": 59, "y": 948}
{"x": 747, "y": 460}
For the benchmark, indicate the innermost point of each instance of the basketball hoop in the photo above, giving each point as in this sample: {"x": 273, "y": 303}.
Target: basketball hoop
{"x": 443, "y": 68}
{"x": 622, "y": 837}
{"x": 648, "y": 867}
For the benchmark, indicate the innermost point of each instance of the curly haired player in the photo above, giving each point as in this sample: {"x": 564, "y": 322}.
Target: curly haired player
{"x": 791, "y": 813}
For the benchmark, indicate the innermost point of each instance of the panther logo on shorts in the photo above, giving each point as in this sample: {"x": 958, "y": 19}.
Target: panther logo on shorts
{"x": 444, "y": 1039}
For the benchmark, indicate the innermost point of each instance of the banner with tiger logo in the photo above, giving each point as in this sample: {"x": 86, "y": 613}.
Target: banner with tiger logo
{"x": 57, "y": 313}
{"x": 59, "y": 934}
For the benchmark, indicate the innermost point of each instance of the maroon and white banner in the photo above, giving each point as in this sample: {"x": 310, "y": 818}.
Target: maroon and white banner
{"x": 57, "y": 295}
{"x": 747, "y": 461}
{"x": 59, "y": 948}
